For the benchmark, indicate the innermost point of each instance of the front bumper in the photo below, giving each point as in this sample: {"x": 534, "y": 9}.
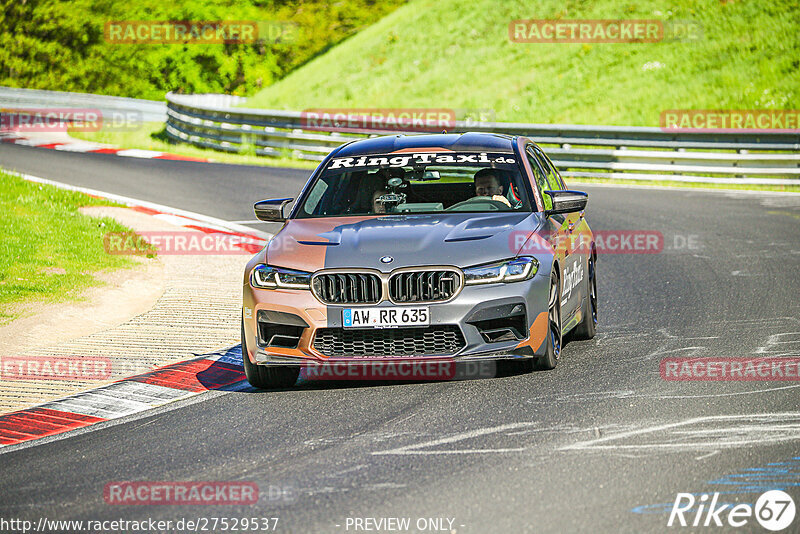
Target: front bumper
{"x": 495, "y": 321}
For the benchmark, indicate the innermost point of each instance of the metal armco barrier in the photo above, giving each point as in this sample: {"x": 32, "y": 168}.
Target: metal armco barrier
{"x": 641, "y": 153}
{"x": 146, "y": 110}
{"x": 619, "y": 152}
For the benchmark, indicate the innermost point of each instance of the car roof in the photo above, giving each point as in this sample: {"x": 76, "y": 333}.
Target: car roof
{"x": 465, "y": 142}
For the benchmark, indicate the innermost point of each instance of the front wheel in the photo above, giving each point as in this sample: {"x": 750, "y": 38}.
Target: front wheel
{"x": 553, "y": 350}
{"x": 587, "y": 328}
{"x": 267, "y": 377}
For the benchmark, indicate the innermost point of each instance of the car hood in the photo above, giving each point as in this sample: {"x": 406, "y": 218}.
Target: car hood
{"x": 460, "y": 239}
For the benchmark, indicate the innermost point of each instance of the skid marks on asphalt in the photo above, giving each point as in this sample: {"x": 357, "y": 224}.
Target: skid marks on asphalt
{"x": 776, "y": 336}
{"x": 521, "y": 437}
{"x": 708, "y": 434}
{"x": 702, "y": 433}
{"x": 780, "y": 201}
{"x": 782, "y": 344}
{"x": 702, "y": 438}
{"x": 773, "y": 337}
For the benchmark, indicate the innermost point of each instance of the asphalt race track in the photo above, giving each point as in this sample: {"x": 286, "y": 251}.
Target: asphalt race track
{"x": 601, "y": 444}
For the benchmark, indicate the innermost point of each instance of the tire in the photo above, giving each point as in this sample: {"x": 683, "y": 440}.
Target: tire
{"x": 587, "y": 328}
{"x": 554, "y": 338}
{"x": 267, "y": 377}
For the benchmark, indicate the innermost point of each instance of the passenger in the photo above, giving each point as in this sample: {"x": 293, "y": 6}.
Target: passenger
{"x": 379, "y": 187}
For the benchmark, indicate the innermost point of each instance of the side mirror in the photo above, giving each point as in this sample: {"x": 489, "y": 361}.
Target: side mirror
{"x": 271, "y": 210}
{"x": 568, "y": 201}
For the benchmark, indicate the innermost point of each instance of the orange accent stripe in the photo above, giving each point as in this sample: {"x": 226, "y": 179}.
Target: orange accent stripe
{"x": 538, "y": 332}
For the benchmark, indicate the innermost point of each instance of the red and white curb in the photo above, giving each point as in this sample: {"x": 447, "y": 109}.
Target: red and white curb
{"x": 126, "y": 397}
{"x": 89, "y": 147}
{"x": 245, "y": 241}
{"x": 143, "y": 392}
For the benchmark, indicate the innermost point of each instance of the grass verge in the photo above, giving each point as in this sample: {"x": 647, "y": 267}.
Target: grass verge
{"x": 49, "y": 251}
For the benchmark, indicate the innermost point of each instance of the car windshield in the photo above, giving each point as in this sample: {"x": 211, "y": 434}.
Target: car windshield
{"x": 425, "y": 182}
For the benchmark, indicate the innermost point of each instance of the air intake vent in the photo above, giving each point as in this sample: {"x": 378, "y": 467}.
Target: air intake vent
{"x": 347, "y": 288}
{"x": 424, "y": 286}
{"x": 389, "y": 342}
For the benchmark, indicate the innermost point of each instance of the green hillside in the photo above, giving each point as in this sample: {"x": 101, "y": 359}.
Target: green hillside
{"x": 455, "y": 54}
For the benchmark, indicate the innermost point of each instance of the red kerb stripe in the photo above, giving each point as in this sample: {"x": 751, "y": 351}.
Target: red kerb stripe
{"x": 35, "y": 423}
{"x": 197, "y": 375}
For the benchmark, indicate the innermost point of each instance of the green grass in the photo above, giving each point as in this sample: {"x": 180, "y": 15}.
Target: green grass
{"x": 151, "y": 136}
{"x": 455, "y": 54}
{"x": 49, "y": 251}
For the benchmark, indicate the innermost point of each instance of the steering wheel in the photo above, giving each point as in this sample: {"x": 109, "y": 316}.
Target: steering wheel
{"x": 475, "y": 202}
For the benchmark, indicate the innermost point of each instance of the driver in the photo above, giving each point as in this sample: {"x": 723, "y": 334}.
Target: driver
{"x": 488, "y": 184}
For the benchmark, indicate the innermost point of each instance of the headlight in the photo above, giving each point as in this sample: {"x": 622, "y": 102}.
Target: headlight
{"x": 266, "y": 277}
{"x": 503, "y": 271}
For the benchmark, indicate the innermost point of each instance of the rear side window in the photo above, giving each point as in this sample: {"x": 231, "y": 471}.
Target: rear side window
{"x": 541, "y": 178}
{"x": 553, "y": 179}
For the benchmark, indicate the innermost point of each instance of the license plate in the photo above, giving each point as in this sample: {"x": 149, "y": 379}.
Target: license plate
{"x": 390, "y": 317}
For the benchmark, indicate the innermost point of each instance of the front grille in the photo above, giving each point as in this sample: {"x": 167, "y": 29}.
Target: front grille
{"x": 389, "y": 342}
{"x": 423, "y": 286}
{"x": 347, "y": 288}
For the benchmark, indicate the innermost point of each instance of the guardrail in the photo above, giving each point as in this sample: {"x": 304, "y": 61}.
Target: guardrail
{"x": 640, "y": 153}
{"x": 146, "y": 110}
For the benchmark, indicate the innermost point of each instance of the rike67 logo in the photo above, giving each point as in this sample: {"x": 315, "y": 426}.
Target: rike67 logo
{"x": 774, "y": 510}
